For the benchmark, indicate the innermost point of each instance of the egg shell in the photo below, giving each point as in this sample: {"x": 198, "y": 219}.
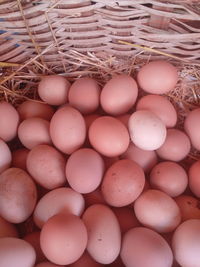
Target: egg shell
{"x": 169, "y": 177}
{"x": 119, "y": 95}
{"x": 85, "y": 261}
{"x": 143, "y": 247}
{"x": 124, "y": 119}
{"x": 5, "y": 156}
{"x": 34, "y": 240}
{"x": 123, "y": 183}
{"x": 68, "y": 129}
{"x": 84, "y": 95}
{"x": 16, "y": 252}
{"x": 63, "y": 199}
{"x": 176, "y": 146}
{"x": 146, "y": 130}
{"x": 189, "y": 207}
{"x": 104, "y": 236}
{"x": 30, "y": 109}
{"x": 19, "y": 157}
{"x": 48, "y": 264}
{"x": 192, "y": 127}
{"x": 89, "y": 119}
{"x": 18, "y": 195}
{"x": 158, "y": 211}
{"x": 53, "y": 89}
{"x": 7, "y": 229}
{"x": 126, "y": 218}
{"x": 33, "y": 132}
{"x": 145, "y": 158}
{"x": 9, "y": 120}
{"x": 161, "y": 107}
{"x": 194, "y": 181}
{"x": 108, "y": 136}
{"x": 63, "y": 238}
{"x": 157, "y": 77}
{"x": 95, "y": 197}
{"x": 47, "y": 166}
{"x": 186, "y": 243}
{"x": 87, "y": 177}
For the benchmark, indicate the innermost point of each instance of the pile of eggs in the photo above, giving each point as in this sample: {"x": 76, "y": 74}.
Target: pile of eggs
{"x": 99, "y": 173}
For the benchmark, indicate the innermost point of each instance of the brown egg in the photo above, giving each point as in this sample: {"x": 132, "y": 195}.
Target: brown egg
{"x": 146, "y": 130}
{"x": 104, "y": 236}
{"x": 189, "y": 207}
{"x": 68, "y": 129}
{"x": 34, "y": 240}
{"x": 147, "y": 159}
{"x": 87, "y": 177}
{"x": 89, "y": 119}
{"x": 9, "y": 120}
{"x": 158, "y": 211}
{"x": 16, "y": 252}
{"x": 63, "y": 199}
{"x": 157, "y": 77}
{"x": 186, "y": 243}
{"x": 194, "y": 181}
{"x": 169, "y": 177}
{"x": 47, "y": 166}
{"x": 7, "y": 229}
{"x": 33, "y": 132}
{"x": 63, "y": 239}
{"x": 18, "y": 195}
{"x": 5, "y": 156}
{"x": 143, "y": 247}
{"x": 176, "y": 146}
{"x": 109, "y": 136}
{"x": 19, "y": 157}
{"x": 119, "y": 95}
{"x": 192, "y": 127}
{"x": 84, "y": 95}
{"x": 161, "y": 107}
{"x": 30, "y": 109}
{"x": 86, "y": 261}
{"x": 123, "y": 183}
{"x": 53, "y": 89}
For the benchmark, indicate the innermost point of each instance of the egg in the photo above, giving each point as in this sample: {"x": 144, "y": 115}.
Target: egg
{"x": 176, "y": 146}
{"x": 124, "y": 119}
{"x": 5, "y": 156}
{"x": 161, "y": 107}
{"x": 119, "y": 95}
{"x": 192, "y": 127}
{"x": 34, "y": 240}
{"x": 47, "y": 166}
{"x": 157, "y": 77}
{"x": 9, "y": 120}
{"x": 123, "y": 183}
{"x": 194, "y": 181}
{"x": 110, "y": 161}
{"x": 109, "y": 136}
{"x": 16, "y": 252}
{"x": 30, "y": 109}
{"x": 48, "y": 264}
{"x": 158, "y": 211}
{"x": 146, "y": 130}
{"x": 143, "y": 247}
{"x": 53, "y": 89}
{"x": 169, "y": 177}
{"x": 90, "y": 118}
{"x": 7, "y": 229}
{"x": 18, "y": 195}
{"x": 67, "y": 129}
{"x": 126, "y": 218}
{"x": 147, "y": 159}
{"x": 95, "y": 197}
{"x": 87, "y": 177}
{"x": 85, "y": 261}
{"x": 84, "y": 95}
{"x": 19, "y": 157}
{"x": 33, "y": 132}
{"x": 63, "y": 238}
{"x": 189, "y": 207}
{"x": 186, "y": 243}
{"x": 63, "y": 199}
{"x": 104, "y": 236}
